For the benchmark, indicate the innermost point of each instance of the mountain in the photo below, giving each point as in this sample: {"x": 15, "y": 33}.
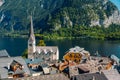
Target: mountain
{"x": 54, "y": 14}
{"x": 15, "y": 14}
{"x": 86, "y": 12}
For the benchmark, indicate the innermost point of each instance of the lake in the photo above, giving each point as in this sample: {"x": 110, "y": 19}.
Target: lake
{"x": 16, "y": 46}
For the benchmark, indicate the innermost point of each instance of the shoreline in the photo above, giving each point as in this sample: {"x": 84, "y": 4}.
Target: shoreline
{"x": 55, "y": 37}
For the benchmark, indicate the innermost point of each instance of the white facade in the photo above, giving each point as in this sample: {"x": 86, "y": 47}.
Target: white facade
{"x": 34, "y": 51}
{"x": 31, "y": 42}
{"x": 46, "y": 49}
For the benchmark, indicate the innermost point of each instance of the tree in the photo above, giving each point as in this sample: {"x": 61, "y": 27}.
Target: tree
{"x": 25, "y": 53}
{"x": 41, "y": 43}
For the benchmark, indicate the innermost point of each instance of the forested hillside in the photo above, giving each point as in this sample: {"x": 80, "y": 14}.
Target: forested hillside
{"x": 63, "y": 18}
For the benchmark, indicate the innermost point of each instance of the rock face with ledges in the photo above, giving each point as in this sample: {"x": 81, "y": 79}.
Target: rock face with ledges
{"x": 47, "y": 14}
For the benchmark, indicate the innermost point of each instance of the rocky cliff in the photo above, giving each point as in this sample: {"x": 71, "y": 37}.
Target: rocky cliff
{"x": 47, "y": 14}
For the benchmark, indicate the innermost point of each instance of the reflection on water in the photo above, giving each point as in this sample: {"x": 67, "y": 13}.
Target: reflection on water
{"x": 16, "y": 46}
{"x": 105, "y": 48}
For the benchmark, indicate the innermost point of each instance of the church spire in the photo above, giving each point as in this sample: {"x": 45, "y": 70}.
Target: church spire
{"x": 31, "y": 28}
{"x": 31, "y": 41}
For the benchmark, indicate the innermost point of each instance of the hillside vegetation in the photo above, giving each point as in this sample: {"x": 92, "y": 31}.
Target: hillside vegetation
{"x": 61, "y": 18}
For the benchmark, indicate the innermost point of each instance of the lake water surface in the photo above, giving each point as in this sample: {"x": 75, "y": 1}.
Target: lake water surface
{"x": 16, "y": 46}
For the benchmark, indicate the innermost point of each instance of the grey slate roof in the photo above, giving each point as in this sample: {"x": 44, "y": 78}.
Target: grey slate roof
{"x": 53, "y": 48}
{"x": 46, "y": 52}
{"x": 14, "y": 63}
{"x": 46, "y": 77}
{"x": 115, "y": 58}
{"x": 18, "y": 71}
{"x": 35, "y": 61}
{"x": 111, "y": 74}
{"x": 3, "y": 73}
{"x": 4, "y": 62}
{"x": 4, "y": 53}
{"x": 89, "y": 76}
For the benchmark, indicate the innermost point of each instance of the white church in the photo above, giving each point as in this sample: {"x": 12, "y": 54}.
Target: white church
{"x": 43, "y": 52}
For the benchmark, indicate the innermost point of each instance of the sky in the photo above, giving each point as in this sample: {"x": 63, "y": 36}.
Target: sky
{"x": 117, "y": 3}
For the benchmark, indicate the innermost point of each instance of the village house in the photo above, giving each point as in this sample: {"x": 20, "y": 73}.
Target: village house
{"x": 13, "y": 67}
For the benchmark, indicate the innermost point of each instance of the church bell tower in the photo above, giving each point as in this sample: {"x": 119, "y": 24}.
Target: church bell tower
{"x": 31, "y": 42}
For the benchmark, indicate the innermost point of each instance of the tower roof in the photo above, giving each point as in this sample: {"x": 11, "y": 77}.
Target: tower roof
{"x": 31, "y": 28}
{"x": 32, "y": 37}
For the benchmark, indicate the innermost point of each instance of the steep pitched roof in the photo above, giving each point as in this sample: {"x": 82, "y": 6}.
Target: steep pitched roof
{"x": 31, "y": 28}
{"x": 47, "y": 52}
{"x": 3, "y": 73}
{"x": 4, "y": 62}
{"x": 14, "y": 63}
{"x": 50, "y": 48}
{"x": 22, "y": 62}
{"x": 4, "y": 53}
{"x": 35, "y": 61}
{"x": 18, "y": 71}
{"x": 111, "y": 74}
{"x": 46, "y": 77}
{"x": 32, "y": 37}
